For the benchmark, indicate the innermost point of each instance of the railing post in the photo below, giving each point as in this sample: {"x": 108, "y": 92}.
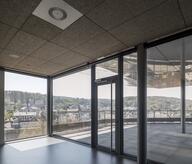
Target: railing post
{"x": 1, "y": 106}
{"x": 141, "y": 104}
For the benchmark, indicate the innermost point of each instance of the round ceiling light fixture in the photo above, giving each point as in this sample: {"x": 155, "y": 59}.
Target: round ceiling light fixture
{"x": 57, "y": 13}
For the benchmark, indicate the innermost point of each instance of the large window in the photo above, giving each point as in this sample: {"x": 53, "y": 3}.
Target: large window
{"x": 72, "y": 106}
{"x": 188, "y": 76}
{"x": 25, "y": 106}
{"x": 130, "y": 104}
{"x": 167, "y": 141}
{"x": 187, "y": 49}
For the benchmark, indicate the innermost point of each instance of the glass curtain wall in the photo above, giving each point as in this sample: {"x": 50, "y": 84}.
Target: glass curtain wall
{"x": 72, "y": 106}
{"x": 130, "y": 104}
{"x": 25, "y": 106}
{"x": 187, "y": 50}
{"x": 166, "y": 141}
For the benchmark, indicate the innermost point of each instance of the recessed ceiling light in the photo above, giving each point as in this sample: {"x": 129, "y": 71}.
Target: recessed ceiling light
{"x": 14, "y": 56}
{"x": 57, "y": 12}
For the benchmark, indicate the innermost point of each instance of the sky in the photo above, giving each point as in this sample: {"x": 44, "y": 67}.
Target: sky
{"x": 75, "y": 85}
{"x": 18, "y": 82}
{"x": 79, "y": 85}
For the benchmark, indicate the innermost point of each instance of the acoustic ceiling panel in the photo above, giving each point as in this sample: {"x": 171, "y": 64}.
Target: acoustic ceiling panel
{"x": 111, "y": 14}
{"x": 6, "y": 33}
{"x": 49, "y": 68}
{"x": 48, "y": 51}
{"x": 160, "y": 21}
{"x": 69, "y": 59}
{"x": 28, "y": 62}
{"x": 15, "y": 12}
{"x": 25, "y": 43}
{"x": 100, "y": 45}
{"x": 9, "y": 58}
{"x": 186, "y": 9}
{"x": 84, "y": 6}
{"x": 80, "y": 31}
{"x": 40, "y": 28}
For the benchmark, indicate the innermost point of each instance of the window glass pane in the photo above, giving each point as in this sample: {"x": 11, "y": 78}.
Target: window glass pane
{"x": 164, "y": 101}
{"x": 72, "y": 106}
{"x": 25, "y": 106}
{"x": 188, "y": 75}
{"x": 106, "y": 115}
{"x": 130, "y": 104}
{"x": 187, "y": 49}
{"x": 106, "y": 69}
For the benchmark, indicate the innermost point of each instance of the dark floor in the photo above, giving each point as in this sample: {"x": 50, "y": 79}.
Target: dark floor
{"x": 165, "y": 142}
{"x": 61, "y": 153}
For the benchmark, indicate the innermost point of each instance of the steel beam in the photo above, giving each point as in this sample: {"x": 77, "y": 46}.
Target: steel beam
{"x": 183, "y": 87}
{"x": 119, "y": 108}
{"x": 141, "y": 104}
{"x": 1, "y": 106}
{"x": 94, "y": 116}
{"x": 49, "y": 106}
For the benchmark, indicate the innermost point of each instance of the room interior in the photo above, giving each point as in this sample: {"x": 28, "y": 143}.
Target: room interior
{"x": 89, "y": 81}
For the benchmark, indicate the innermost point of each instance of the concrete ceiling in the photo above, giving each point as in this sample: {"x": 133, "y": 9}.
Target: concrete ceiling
{"x": 107, "y": 27}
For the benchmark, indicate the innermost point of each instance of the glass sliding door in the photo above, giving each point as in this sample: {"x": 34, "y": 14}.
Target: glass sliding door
{"x": 25, "y": 106}
{"x": 106, "y": 115}
{"x": 106, "y": 84}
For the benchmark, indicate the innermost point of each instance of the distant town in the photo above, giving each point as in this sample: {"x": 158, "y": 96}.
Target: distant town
{"x": 24, "y": 110}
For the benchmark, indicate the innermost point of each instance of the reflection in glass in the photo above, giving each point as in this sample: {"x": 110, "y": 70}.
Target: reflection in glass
{"x": 107, "y": 69}
{"x": 164, "y": 100}
{"x": 130, "y": 104}
{"x": 187, "y": 49}
{"x": 188, "y": 102}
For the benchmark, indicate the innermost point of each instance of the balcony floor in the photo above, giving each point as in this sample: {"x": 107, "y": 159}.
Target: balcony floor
{"x": 166, "y": 143}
